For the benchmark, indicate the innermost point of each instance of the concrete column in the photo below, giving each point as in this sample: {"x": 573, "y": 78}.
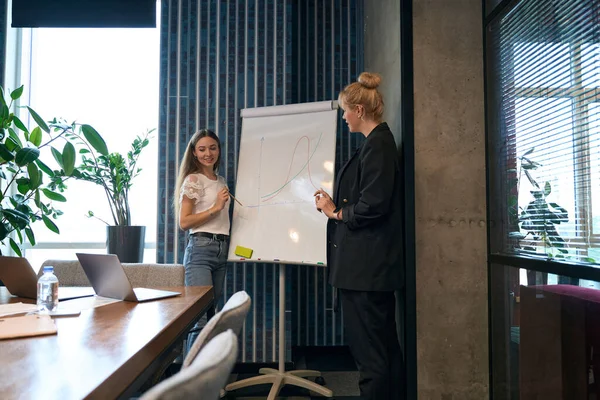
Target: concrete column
{"x": 451, "y": 272}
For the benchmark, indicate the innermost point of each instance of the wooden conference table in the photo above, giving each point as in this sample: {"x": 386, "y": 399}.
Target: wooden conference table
{"x": 105, "y": 353}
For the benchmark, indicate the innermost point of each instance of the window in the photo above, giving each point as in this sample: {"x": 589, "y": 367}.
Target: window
{"x": 543, "y": 125}
{"x": 548, "y": 76}
{"x": 107, "y": 78}
{"x": 594, "y": 137}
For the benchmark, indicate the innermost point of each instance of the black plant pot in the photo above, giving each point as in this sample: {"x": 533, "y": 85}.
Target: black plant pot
{"x": 127, "y": 242}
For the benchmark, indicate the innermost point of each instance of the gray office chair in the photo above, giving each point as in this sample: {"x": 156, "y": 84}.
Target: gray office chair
{"x": 205, "y": 376}
{"x": 232, "y": 316}
{"x": 70, "y": 273}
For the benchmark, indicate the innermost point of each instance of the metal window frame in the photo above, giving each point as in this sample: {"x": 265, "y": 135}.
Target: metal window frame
{"x": 498, "y": 262}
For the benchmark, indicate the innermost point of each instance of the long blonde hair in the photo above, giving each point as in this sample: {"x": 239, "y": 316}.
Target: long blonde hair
{"x": 190, "y": 165}
{"x": 364, "y": 92}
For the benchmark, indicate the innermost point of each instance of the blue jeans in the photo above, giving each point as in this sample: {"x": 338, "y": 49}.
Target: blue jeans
{"x": 205, "y": 262}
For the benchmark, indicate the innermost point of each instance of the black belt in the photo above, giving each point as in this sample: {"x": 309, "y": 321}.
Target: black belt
{"x": 214, "y": 236}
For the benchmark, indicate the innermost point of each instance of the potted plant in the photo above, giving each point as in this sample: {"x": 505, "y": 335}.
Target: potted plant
{"x": 115, "y": 172}
{"x": 29, "y": 189}
{"x": 538, "y": 220}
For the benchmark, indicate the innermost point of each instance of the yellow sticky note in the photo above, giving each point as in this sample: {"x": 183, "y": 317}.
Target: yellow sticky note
{"x": 243, "y": 251}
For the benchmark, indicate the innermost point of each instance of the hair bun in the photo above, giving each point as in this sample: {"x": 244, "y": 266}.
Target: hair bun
{"x": 369, "y": 80}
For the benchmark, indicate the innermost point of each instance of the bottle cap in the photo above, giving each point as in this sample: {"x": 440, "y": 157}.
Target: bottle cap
{"x": 49, "y": 268}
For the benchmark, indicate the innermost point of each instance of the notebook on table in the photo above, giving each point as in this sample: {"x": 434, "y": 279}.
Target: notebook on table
{"x": 108, "y": 278}
{"x": 26, "y": 326}
{"x": 19, "y": 278}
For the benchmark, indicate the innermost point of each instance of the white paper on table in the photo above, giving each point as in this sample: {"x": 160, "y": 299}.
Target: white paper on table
{"x": 16, "y": 309}
{"x": 85, "y": 303}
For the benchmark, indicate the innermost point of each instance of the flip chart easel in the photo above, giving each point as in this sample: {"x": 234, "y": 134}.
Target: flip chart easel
{"x": 286, "y": 153}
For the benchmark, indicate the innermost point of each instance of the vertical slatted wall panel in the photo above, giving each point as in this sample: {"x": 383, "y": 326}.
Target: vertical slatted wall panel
{"x": 327, "y": 45}
{"x": 218, "y": 57}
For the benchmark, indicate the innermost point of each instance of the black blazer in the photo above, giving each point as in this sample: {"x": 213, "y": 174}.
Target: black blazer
{"x": 365, "y": 250}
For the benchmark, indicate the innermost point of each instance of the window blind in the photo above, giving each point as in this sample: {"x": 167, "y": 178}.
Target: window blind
{"x": 545, "y": 134}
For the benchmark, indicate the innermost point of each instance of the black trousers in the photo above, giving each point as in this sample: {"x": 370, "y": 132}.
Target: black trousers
{"x": 370, "y": 327}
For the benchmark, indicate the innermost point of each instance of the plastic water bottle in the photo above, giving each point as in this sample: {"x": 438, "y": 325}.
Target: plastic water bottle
{"x": 47, "y": 291}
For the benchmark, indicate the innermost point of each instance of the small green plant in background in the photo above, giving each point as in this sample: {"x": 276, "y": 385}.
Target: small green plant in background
{"x": 29, "y": 189}
{"x": 114, "y": 173}
{"x": 539, "y": 218}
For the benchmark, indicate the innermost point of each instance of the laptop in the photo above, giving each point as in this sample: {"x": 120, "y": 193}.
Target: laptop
{"x": 19, "y": 278}
{"x": 108, "y": 278}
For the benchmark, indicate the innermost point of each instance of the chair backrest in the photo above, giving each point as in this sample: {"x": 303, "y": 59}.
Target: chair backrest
{"x": 232, "y": 316}
{"x": 155, "y": 275}
{"x": 207, "y": 375}
{"x": 70, "y": 273}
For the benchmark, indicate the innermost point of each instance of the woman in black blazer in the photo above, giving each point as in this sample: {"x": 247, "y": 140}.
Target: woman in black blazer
{"x": 364, "y": 241}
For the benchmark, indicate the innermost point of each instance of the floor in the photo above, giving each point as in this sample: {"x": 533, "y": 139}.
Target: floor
{"x": 337, "y": 368}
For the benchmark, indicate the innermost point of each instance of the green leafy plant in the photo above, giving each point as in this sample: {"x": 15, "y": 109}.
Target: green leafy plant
{"x": 113, "y": 172}
{"x": 539, "y": 218}
{"x": 29, "y": 188}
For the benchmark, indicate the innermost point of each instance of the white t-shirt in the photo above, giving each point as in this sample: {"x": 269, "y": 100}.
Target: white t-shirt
{"x": 203, "y": 192}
